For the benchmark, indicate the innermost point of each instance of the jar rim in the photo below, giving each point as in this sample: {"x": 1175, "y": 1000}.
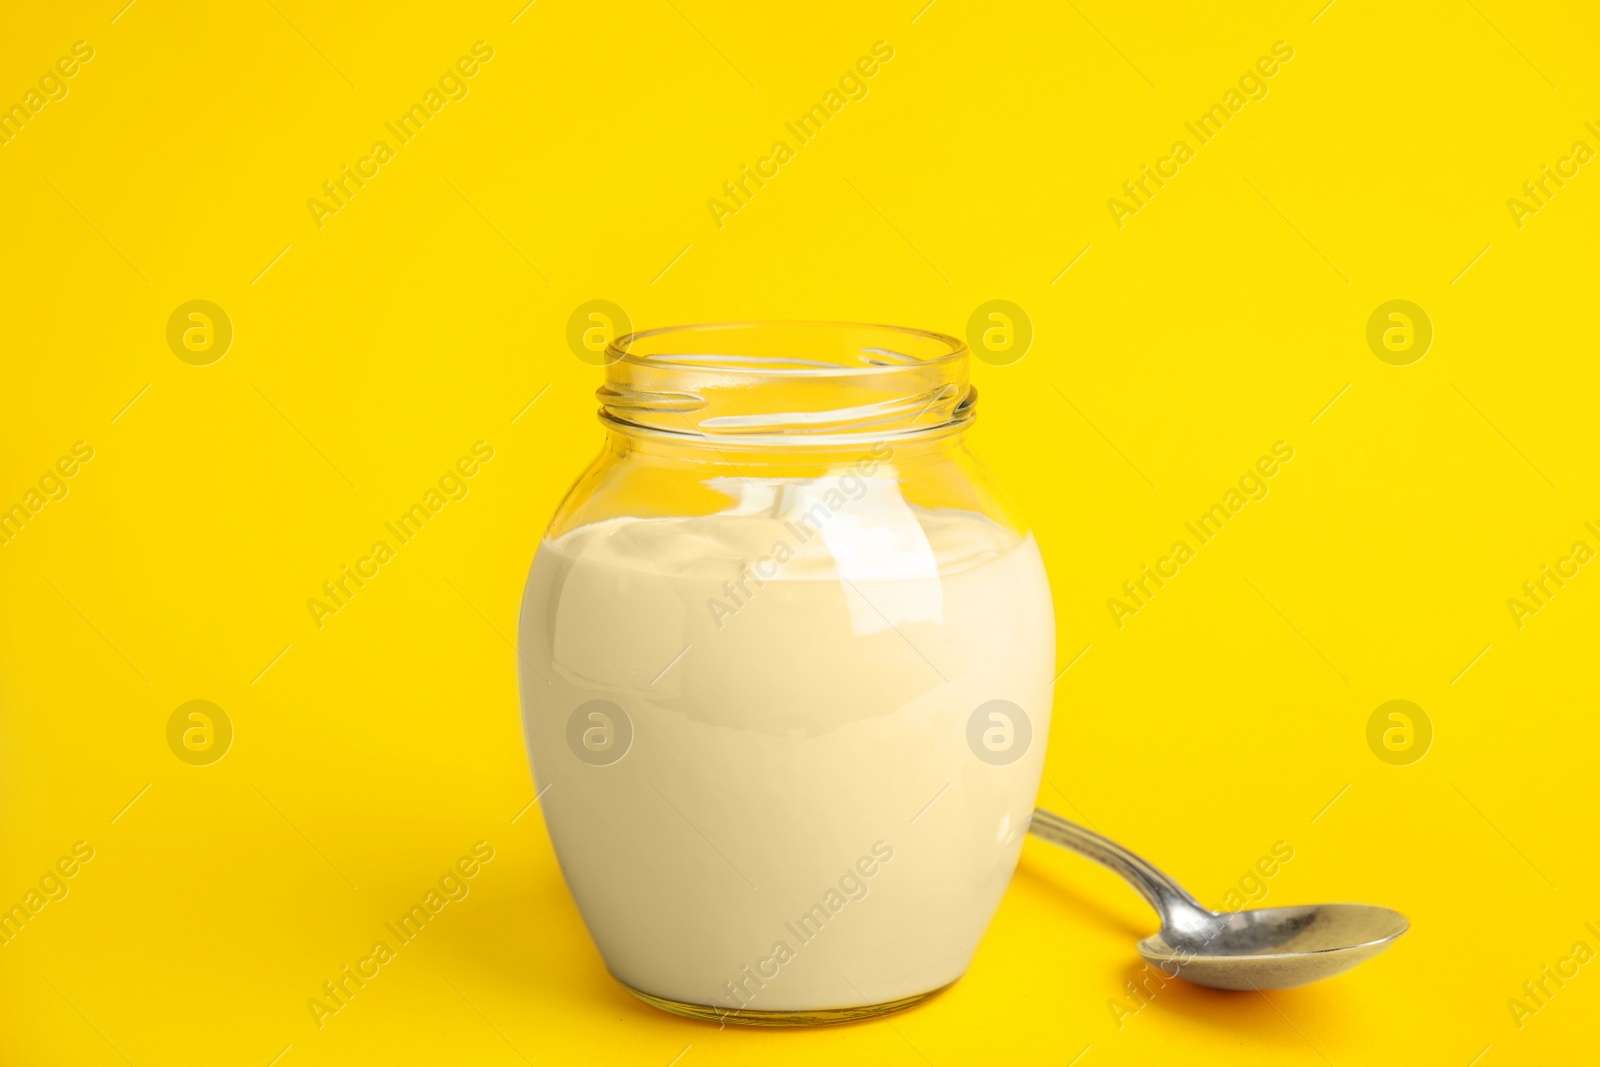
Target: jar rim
{"x": 621, "y": 349}
{"x": 795, "y": 383}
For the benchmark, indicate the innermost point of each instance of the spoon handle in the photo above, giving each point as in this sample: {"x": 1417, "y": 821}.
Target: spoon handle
{"x": 1166, "y": 896}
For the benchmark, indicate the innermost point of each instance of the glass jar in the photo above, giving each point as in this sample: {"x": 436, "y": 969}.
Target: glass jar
{"x": 787, "y": 658}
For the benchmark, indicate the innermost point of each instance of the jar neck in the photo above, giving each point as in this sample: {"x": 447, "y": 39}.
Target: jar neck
{"x": 784, "y": 459}
{"x": 813, "y": 387}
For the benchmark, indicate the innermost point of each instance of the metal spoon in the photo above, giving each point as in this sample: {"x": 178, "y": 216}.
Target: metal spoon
{"x": 1266, "y": 948}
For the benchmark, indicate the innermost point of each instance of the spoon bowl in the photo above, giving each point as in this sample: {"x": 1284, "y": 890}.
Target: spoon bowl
{"x": 1276, "y": 948}
{"x": 1265, "y": 948}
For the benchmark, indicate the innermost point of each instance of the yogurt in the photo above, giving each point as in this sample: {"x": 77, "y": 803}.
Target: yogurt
{"x": 767, "y": 741}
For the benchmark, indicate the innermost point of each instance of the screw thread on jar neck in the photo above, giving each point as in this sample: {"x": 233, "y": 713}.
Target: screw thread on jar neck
{"x": 787, "y": 384}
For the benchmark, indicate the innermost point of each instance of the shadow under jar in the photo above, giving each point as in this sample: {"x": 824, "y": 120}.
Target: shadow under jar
{"x": 786, "y": 660}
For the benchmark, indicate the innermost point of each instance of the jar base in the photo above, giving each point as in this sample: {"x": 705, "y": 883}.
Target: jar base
{"x": 804, "y": 1017}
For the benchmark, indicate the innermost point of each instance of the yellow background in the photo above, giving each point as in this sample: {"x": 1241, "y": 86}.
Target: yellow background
{"x": 427, "y": 314}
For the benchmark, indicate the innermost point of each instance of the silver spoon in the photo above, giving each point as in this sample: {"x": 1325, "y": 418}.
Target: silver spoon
{"x": 1265, "y": 948}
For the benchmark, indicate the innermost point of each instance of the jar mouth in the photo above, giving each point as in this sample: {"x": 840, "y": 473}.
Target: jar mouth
{"x": 760, "y": 383}
{"x": 787, "y": 347}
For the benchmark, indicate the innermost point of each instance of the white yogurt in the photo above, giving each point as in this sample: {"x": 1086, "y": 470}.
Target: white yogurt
{"x": 799, "y": 821}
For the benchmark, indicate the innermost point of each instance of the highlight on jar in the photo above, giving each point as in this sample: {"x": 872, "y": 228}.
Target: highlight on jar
{"x": 787, "y": 655}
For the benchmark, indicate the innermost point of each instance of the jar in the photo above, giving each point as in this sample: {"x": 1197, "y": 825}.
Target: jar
{"x": 786, "y": 660}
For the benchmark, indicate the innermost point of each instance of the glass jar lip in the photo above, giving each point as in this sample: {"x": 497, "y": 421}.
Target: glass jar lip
{"x": 620, "y": 349}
